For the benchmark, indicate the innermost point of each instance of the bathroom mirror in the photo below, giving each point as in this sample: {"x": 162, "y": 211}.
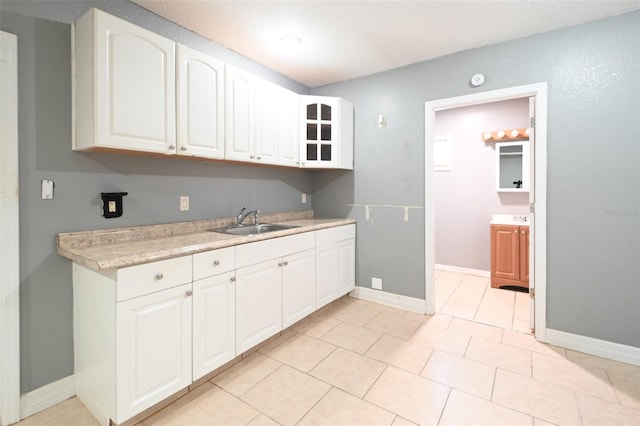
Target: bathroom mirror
{"x": 512, "y": 166}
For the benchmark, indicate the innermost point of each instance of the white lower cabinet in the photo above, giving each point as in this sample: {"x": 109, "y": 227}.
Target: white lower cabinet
{"x": 132, "y": 336}
{"x": 153, "y": 349}
{"x": 298, "y": 286}
{"x": 258, "y": 303}
{"x": 214, "y": 323}
{"x": 335, "y": 263}
{"x": 146, "y": 332}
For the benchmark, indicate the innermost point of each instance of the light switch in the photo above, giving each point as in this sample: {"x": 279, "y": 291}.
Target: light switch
{"x": 47, "y": 189}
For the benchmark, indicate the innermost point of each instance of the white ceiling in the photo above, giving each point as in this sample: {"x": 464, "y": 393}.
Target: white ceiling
{"x": 342, "y": 40}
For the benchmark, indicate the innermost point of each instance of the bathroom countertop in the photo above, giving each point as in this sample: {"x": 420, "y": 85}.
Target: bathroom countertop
{"x": 121, "y": 247}
{"x": 509, "y": 219}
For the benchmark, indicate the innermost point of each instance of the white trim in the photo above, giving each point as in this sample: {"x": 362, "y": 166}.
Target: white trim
{"x": 47, "y": 396}
{"x": 462, "y": 270}
{"x": 538, "y": 225}
{"x": 597, "y": 347}
{"x": 396, "y": 300}
{"x": 9, "y": 233}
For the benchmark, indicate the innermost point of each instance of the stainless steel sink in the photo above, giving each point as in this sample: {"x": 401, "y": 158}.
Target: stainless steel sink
{"x": 253, "y": 229}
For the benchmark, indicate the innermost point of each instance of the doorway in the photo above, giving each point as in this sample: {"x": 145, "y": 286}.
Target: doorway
{"x": 537, "y": 194}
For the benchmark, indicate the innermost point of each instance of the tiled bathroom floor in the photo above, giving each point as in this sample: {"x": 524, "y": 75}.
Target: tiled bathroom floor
{"x": 360, "y": 363}
{"x": 471, "y": 297}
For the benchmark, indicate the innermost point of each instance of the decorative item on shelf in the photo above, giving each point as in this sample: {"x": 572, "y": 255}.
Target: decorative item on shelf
{"x": 506, "y": 135}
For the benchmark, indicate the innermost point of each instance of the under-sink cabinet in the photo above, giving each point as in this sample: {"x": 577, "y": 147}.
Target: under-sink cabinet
{"x": 509, "y": 256}
{"x": 269, "y": 273}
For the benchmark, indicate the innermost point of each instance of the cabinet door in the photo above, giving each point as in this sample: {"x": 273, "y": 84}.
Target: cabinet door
{"x": 289, "y": 125}
{"x": 153, "y": 349}
{"x": 200, "y": 104}
{"x": 267, "y": 124}
{"x": 326, "y": 274}
{"x": 298, "y": 286}
{"x": 346, "y": 266}
{"x": 320, "y": 132}
{"x": 524, "y": 253}
{"x": 505, "y": 247}
{"x": 240, "y": 114}
{"x": 135, "y": 87}
{"x": 258, "y": 303}
{"x": 214, "y": 311}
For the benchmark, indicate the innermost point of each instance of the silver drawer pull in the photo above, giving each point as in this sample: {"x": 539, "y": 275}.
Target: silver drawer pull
{"x": 159, "y": 276}
{"x": 286, "y": 263}
{"x": 280, "y": 264}
{"x": 216, "y": 262}
{"x": 188, "y": 293}
{"x": 232, "y": 279}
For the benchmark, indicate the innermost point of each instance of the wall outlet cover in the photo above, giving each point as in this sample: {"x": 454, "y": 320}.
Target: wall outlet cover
{"x": 376, "y": 283}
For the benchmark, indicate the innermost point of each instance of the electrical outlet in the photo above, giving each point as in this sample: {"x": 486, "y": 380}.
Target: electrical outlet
{"x": 376, "y": 283}
{"x": 184, "y": 203}
{"x": 304, "y": 198}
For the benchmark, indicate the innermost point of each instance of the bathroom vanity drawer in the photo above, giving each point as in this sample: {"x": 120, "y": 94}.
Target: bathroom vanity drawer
{"x": 214, "y": 262}
{"x": 148, "y": 278}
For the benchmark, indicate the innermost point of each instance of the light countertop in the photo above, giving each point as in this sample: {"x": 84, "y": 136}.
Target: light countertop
{"x": 122, "y": 247}
{"x": 509, "y": 219}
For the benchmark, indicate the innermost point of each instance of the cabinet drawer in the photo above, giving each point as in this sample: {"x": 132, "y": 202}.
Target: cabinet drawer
{"x": 252, "y": 253}
{"x": 209, "y": 263}
{"x": 148, "y": 278}
{"x": 332, "y": 235}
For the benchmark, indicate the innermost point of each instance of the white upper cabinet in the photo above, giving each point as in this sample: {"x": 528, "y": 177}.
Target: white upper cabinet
{"x": 124, "y": 86}
{"x": 261, "y": 120}
{"x": 239, "y": 114}
{"x": 200, "y": 104}
{"x": 286, "y": 103}
{"x": 326, "y": 133}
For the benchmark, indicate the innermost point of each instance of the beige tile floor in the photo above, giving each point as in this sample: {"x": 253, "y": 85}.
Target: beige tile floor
{"x": 471, "y": 297}
{"x": 360, "y": 363}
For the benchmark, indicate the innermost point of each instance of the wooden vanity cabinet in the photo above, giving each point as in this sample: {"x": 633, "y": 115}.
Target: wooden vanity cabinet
{"x": 509, "y": 256}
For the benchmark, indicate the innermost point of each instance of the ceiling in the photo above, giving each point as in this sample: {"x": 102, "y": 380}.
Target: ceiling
{"x": 341, "y": 40}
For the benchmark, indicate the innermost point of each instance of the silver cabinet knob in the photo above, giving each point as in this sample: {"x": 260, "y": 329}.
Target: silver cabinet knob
{"x": 188, "y": 293}
{"x": 258, "y": 158}
{"x": 159, "y": 276}
{"x": 252, "y": 157}
{"x": 183, "y": 148}
{"x": 286, "y": 263}
{"x": 216, "y": 262}
{"x": 172, "y": 147}
{"x": 232, "y": 279}
{"x": 280, "y": 264}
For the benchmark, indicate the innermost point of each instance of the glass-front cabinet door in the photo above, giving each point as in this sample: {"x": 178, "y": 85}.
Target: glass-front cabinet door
{"x": 319, "y": 132}
{"x": 326, "y": 132}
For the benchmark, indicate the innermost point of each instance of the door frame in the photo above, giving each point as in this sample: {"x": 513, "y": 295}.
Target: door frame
{"x": 538, "y": 194}
{"x": 9, "y": 233}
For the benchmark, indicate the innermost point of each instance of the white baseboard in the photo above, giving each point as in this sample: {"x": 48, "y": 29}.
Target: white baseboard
{"x": 468, "y": 271}
{"x": 397, "y": 301}
{"x": 597, "y": 347}
{"x": 47, "y": 396}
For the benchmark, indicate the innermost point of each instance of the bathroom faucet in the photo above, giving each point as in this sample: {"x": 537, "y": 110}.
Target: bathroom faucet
{"x": 243, "y": 215}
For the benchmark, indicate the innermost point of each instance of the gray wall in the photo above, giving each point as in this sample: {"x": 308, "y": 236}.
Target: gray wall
{"x": 466, "y": 196}
{"x": 593, "y": 189}
{"x": 154, "y": 184}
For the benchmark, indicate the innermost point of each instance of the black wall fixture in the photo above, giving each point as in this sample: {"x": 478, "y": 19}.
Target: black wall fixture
{"x": 112, "y": 204}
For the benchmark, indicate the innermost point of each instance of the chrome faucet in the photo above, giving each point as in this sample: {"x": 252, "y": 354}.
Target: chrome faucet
{"x": 244, "y": 213}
